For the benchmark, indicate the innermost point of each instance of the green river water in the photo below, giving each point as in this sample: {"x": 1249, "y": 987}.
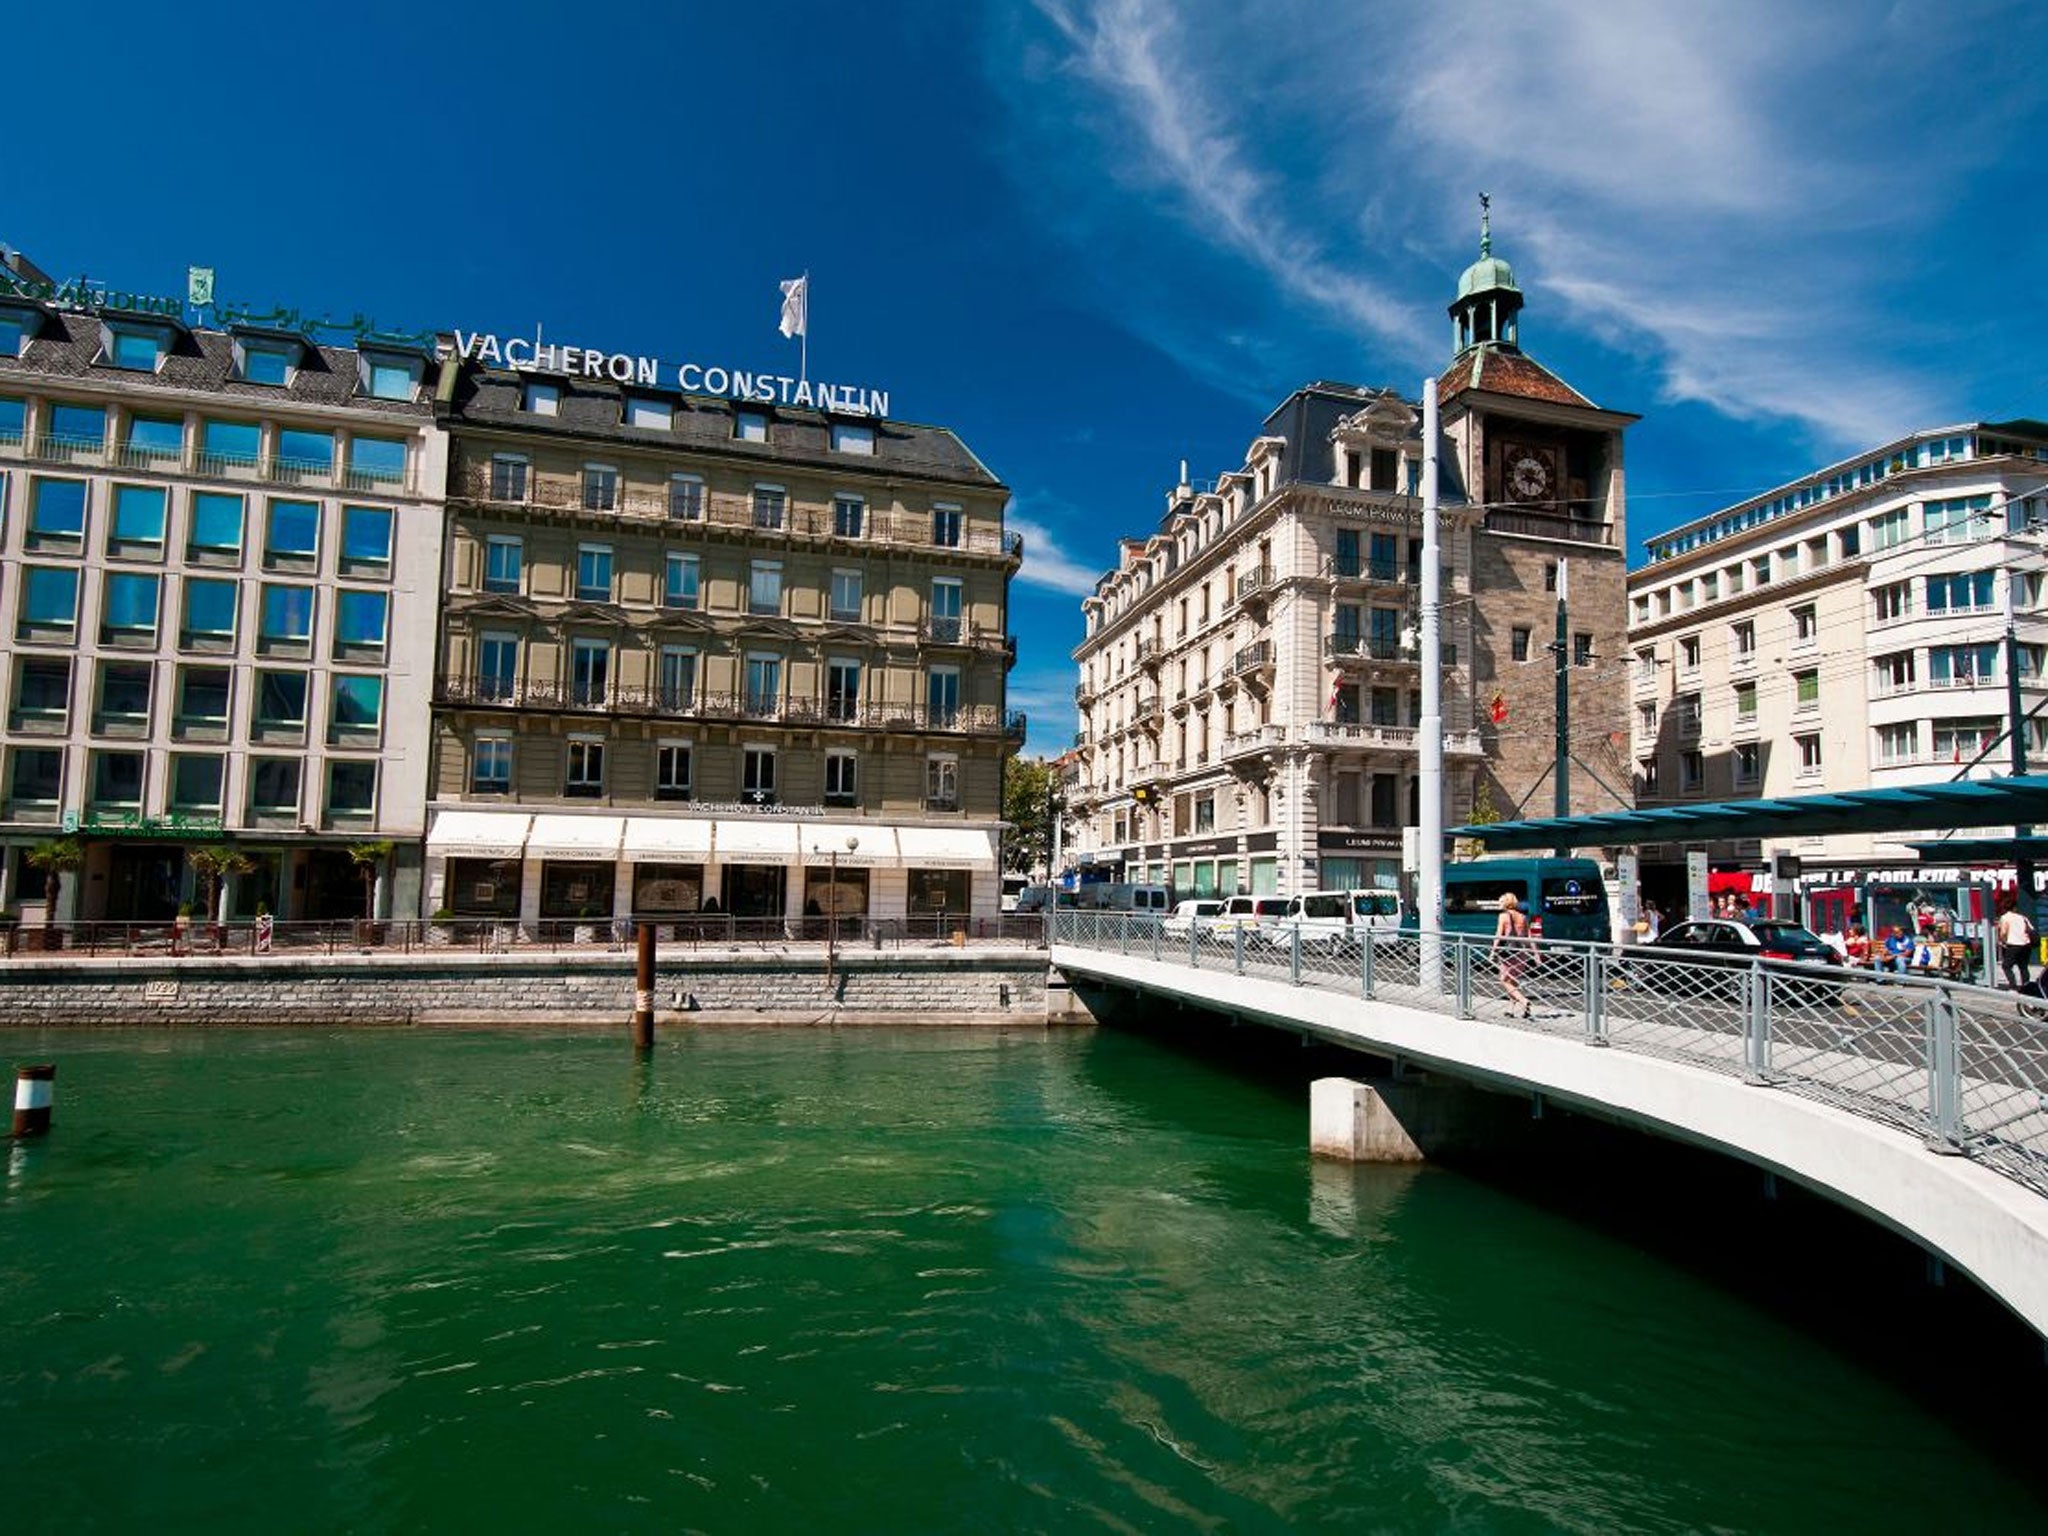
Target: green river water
{"x": 789, "y": 1280}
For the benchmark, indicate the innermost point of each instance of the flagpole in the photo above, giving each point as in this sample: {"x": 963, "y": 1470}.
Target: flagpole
{"x": 803, "y": 349}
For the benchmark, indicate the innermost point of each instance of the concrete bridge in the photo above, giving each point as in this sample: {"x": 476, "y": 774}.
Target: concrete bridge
{"x": 1921, "y": 1104}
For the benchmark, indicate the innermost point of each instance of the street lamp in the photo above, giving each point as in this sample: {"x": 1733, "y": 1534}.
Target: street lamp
{"x": 832, "y": 907}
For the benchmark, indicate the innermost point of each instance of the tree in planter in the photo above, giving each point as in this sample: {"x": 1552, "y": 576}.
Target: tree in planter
{"x": 369, "y": 858}
{"x": 55, "y": 858}
{"x": 211, "y": 864}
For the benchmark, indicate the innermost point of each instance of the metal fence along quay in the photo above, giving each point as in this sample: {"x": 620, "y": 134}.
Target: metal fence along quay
{"x": 1964, "y": 1067}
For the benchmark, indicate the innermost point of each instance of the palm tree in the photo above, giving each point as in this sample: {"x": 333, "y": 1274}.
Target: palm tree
{"x": 210, "y": 864}
{"x": 369, "y": 858}
{"x": 54, "y": 857}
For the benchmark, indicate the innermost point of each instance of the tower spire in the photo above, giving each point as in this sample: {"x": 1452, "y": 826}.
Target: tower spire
{"x": 1485, "y": 225}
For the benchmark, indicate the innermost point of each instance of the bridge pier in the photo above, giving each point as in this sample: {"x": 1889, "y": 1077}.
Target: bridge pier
{"x": 1404, "y": 1120}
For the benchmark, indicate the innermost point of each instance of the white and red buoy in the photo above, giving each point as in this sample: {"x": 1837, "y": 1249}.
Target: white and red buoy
{"x": 35, "y": 1090}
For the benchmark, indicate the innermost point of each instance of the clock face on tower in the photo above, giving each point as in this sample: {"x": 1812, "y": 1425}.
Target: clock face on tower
{"x": 1528, "y": 475}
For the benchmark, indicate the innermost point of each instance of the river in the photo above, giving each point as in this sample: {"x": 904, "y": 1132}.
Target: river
{"x": 883, "y": 1280}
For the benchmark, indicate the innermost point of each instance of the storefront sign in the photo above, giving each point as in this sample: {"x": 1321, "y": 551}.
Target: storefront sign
{"x": 538, "y": 356}
{"x": 1207, "y": 847}
{"x": 135, "y": 824}
{"x": 1262, "y": 842}
{"x": 1358, "y": 842}
{"x": 725, "y": 807}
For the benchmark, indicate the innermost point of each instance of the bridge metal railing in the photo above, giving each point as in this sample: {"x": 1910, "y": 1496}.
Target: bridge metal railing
{"x": 1964, "y": 1067}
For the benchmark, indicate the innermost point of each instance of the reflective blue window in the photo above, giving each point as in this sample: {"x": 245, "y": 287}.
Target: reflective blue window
{"x": 230, "y": 443}
{"x": 79, "y": 426}
{"x": 366, "y": 534}
{"x": 158, "y": 437}
{"x": 13, "y": 419}
{"x": 57, "y": 508}
{"x": 216, "y": 521}
{"x": 376, "y": 460}
{"x": 131, "y": 601}
{"x": 390, "y": 380}
{"x": 12, "y": 332}
{"x": 287, "y": 613}
{"x": 49, "y": 594}
{"x": 140, "y": 350}
{"x": 139, "y": 514}
{"x": 310, "y": 453}
{"x": 359, "y": 618}
{"x": 358, "y": 700}
{"x": 268, "y": 363}
{"x": 209, "y": 606}
{"x": 294, "y": 529}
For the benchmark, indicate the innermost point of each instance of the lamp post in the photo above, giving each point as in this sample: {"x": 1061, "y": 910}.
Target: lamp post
{"x": 832, "y": 908}
{"x": 1429, "y": 883}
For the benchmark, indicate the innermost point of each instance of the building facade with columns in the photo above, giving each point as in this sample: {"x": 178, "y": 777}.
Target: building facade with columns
{"x": 219, "y": 557}
{"x": 1847, "y": 630}
{"x": 700, "y": 655}
{"x": 1250, "y": 684}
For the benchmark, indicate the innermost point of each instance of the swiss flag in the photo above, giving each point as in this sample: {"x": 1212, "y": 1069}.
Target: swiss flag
{"x": 1497, "y": 711}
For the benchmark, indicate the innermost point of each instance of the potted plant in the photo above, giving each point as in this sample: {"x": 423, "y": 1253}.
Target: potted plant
{"x": 441, "y": 926}
{"x": 54, "y": 858}
{"x": 368, "y": 858}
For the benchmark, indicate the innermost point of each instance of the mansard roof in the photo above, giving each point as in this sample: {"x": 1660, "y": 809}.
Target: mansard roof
{"x": 1504, "y": 371}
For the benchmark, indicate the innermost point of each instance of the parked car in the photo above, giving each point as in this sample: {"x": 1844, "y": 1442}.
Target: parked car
{"x": 1728, "y": 947}
{"x": 1200, "y": 912}
{"x": 1034, "y": 898}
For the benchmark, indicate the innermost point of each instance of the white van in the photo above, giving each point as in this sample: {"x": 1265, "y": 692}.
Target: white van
{"x": 1331, "y": 919}
{"x": 1156, "y": 899}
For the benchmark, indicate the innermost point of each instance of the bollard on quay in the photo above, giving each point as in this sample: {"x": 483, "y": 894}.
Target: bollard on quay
{"x": 35, "y": 1090}
{"x": 643, "y": 990}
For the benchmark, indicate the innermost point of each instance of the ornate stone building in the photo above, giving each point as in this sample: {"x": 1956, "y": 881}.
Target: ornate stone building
{"x": 699, "y": 655}
{"x": 1249, "y": 683}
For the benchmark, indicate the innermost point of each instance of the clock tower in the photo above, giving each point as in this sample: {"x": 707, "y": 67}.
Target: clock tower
{"x": 1539, "y": 467}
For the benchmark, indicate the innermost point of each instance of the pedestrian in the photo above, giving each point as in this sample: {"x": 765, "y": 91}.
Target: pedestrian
{"x": 1856, "y": 948}
{"x": 2015, "y": 945}
{"x": 1653, "y": 922}
{"x": 1511, "y": 951}
{"x": 1898, "y": 949}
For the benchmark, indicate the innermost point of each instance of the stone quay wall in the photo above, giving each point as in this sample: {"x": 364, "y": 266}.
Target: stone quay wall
{"x": 898, "y": 987}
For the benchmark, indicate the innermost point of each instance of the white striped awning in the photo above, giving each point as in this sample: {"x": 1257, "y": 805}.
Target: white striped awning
{"x": 767, "y": 841}
{"x": 677, "y": 839}
{"x": 873, "y": 844}
{"x": 478, "y": 834}
{"x": 575, "y": 837}
{"x": 947, "y": 847}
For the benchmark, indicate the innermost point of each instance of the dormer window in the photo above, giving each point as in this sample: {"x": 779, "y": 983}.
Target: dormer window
{"x": 389, "y": 375}
{"x": 849, "y": 438}
{"x": 265, "y": 361}
{"x": 16, "y": 326}
{"x": 137, "y": 348}
{"x": 543, "y": 399}
{"x": 750, "y": 426}
{"x": 650, "y": 415}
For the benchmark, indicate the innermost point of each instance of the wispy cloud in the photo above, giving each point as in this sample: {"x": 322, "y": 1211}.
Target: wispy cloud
{"x": 1046, "y": 563}
{"x": 1741, "y": 200}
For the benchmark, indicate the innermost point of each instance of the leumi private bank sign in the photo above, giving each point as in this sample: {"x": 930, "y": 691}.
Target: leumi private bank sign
{"x": 538, "y": 356}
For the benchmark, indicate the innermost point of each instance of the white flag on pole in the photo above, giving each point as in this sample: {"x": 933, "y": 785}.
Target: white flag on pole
{"x": 795, "y": 300}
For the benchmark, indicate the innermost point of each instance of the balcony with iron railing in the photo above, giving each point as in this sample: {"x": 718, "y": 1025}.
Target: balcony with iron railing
{"x": 327, "y": 474}
{"x": 1259, "y": 739}
{"x": 661, "y": 701}
{"x": 725, "y": 512}
{"x": 1252, "y": 659}
{"x": 1149, "y": 652}
{"x": 1383, "y": 736}
{"x": 1344, "y": 645}
{"x": 1338, "y": 568}
{"x": 1255, "y": 584}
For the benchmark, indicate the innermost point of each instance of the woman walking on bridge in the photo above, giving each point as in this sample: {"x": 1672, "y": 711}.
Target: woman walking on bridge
{"x": 1511, "y": 951}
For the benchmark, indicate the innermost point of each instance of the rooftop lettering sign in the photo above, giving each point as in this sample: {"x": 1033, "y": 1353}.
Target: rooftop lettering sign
{"x": 84, "y": 294}
{"x": 741, "y": 384}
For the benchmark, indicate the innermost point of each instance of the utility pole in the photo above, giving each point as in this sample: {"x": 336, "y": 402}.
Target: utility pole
{"x": 1562, "y": 800}
{"x": 1429, "y": 883}
{"x": 2016, "y": 729}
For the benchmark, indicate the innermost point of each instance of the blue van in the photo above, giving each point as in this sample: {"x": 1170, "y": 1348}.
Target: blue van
{"x": 1565, "y": 898}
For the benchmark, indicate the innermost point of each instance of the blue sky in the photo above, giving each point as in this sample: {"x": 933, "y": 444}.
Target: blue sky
{"x": 1096, "y": 237}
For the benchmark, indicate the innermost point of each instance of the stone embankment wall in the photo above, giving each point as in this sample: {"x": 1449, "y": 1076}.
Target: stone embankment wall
{"x": 970, "y": 986}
